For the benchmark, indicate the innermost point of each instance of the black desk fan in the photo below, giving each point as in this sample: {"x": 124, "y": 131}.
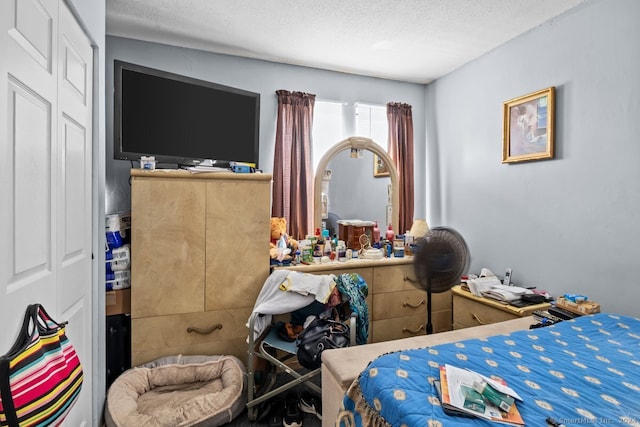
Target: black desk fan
{"x": 441, "y": 258}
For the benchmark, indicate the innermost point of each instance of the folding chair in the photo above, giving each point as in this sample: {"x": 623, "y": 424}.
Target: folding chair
{"x": 279, "y": 354}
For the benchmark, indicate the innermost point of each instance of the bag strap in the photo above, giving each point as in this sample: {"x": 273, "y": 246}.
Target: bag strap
{"x": 25, "y": 334}
{"x": 332, "y": 341}
{"x": 43, "y": 320}
{"x": 321, "y": 326}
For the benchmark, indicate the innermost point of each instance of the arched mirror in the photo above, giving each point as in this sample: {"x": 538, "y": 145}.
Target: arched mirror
{"x": 359, "y": 150}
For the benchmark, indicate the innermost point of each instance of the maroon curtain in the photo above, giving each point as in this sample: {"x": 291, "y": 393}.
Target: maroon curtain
{"x": 400, "y": 149}
{"x": 292, "y": 164}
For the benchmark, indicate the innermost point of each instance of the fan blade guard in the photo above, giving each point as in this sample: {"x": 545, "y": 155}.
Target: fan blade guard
{"x": 441, "y": 258}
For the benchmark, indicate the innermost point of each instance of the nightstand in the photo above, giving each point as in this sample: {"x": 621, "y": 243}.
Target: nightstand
{"x": 470, "y": 310}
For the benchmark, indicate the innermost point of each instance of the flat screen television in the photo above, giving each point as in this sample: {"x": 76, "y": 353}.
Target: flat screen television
{"x": 182, "y": 120}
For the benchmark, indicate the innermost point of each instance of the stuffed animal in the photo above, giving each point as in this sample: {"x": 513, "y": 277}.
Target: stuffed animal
{"x": 279, "y": 229}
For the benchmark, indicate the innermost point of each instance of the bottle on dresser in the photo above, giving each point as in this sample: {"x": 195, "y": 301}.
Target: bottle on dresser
{"x": 389, "y": 235}
{"x": 376, "y": 233}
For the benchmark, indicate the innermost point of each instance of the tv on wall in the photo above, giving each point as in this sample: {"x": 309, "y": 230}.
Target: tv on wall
{"x": 182, "y": 120}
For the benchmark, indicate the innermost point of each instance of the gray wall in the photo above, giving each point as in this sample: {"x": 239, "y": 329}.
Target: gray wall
{"x": 257, "y": 76}
{"x": 564, "y": 225}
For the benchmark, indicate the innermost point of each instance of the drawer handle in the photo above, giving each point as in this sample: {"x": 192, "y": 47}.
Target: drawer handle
{"x": 405, "y": 303}
{"x": 202, "y": 331}
{"x": 409, "y": 279}
{"x": 478, "y": 319}
{"x": 414, "y": 331}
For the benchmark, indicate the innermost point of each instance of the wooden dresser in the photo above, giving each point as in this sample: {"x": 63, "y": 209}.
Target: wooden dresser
{"x": 198, "y": 249}
{"x": 470, "y": 310}
{"x": 397, "y": 309}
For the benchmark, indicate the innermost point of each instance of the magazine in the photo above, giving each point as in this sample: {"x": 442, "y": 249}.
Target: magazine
{"x": 452, "y": 382}
{"x": 444, "y": 400}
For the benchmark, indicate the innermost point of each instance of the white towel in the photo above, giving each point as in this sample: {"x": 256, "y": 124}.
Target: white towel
{"x": 310, "y": 284}
{"x": 285, "y": 291}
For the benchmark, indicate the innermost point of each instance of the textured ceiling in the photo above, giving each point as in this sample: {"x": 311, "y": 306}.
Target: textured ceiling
{"x": 408, "y": 40}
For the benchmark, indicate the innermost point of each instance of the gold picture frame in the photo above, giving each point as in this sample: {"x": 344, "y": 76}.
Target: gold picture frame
{"x": 528, "y": 127}
{"x": 379, "y": 168}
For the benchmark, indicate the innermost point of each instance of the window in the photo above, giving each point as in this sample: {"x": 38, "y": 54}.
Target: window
{"x": 371, "y": 121}
{"x": 333, "y": 119}
{"x": 328, "y": 127}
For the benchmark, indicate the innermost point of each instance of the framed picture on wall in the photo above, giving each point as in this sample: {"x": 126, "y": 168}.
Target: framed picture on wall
{"x": 379, "y": 168}
{"x": 528, "y": 123}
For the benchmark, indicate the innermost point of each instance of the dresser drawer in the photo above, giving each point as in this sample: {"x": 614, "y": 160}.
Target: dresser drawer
{"x": 406, "y": 303}
{"x": 410, "y": 326}
{"x": 394, "y": 278}
{"x": 154, "y": 337}
{"x": 467, "y": 313}
{"x": 398, "y": 304}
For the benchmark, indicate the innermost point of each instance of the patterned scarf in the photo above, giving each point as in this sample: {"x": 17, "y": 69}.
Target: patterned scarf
{"x": 353, "y": 285}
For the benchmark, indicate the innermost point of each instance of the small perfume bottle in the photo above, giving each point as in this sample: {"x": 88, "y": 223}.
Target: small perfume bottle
{"x": 390, "y": 234}
{"x": 376, "y": 233}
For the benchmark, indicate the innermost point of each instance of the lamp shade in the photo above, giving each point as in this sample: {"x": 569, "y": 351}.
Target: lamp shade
{"x": 419, "y": 228}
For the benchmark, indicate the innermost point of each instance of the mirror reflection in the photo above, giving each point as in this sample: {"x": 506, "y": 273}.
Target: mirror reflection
{"x": 345, "y": 186}
{"x": 355, "y": 192}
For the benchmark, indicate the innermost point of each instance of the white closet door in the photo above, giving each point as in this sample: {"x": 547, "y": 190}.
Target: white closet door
{"x": 45, "y": 174}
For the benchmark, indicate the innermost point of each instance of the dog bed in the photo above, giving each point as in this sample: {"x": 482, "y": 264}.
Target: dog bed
{"x": 178, "y": 391}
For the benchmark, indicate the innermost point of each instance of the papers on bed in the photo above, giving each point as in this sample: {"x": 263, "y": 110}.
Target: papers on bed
{"x": 455, "y": 381}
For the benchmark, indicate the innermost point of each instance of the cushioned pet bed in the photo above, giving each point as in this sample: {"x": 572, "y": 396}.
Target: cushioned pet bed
{"x": 178, "y": 391}
{"x": 583, "y": 371}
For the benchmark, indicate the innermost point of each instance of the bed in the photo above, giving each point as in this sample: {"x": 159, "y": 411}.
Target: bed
{"x": 583, "y": 371}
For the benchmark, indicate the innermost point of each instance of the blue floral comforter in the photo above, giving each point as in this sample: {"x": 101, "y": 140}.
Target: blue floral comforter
{"x": 580, "y": 372}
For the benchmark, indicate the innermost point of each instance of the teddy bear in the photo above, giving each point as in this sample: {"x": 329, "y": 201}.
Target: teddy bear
{"x": 279, "y": 229}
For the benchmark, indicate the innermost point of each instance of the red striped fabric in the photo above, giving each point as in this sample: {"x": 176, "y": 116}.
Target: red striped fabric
{"x": 41, "y": 376}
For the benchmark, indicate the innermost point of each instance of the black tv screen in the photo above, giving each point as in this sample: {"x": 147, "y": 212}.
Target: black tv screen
{"x": 182, "y": 120}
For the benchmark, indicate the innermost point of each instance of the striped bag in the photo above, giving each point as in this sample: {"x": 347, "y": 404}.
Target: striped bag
{"x": 41, "y": 376}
